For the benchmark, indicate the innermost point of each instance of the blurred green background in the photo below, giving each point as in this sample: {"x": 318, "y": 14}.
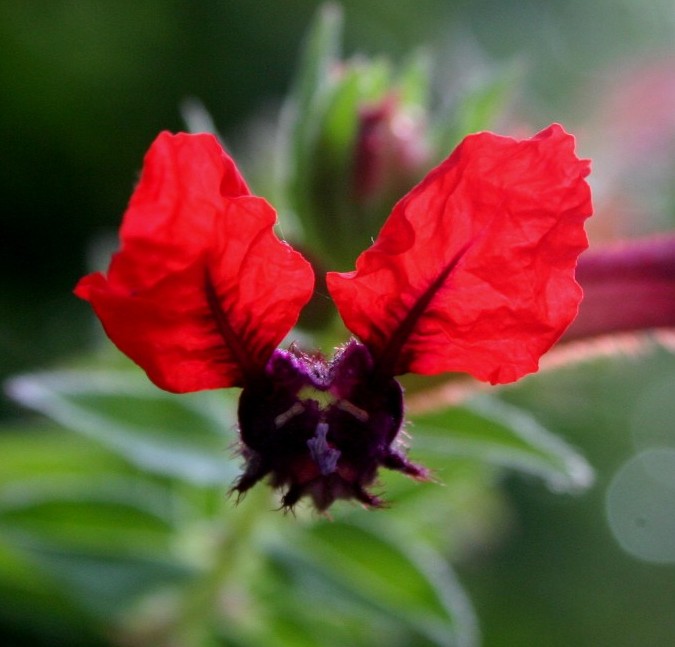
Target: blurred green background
{"x": 85, "y": 88}
{"x": 87, "y": 85}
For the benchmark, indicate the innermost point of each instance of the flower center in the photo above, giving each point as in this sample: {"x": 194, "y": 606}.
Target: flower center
{"x": 321, "y": 429}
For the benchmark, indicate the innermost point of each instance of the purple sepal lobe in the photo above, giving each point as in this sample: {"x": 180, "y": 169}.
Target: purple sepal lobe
{"x": 322, "y": 429}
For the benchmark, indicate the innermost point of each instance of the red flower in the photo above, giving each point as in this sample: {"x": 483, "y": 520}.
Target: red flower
{"x": 473, "y": 271}
{"x": 202, "y": 291}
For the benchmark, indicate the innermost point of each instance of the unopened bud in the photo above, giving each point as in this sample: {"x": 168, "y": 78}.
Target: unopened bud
{"x": 627, "y": 287}
{"x": 390, "y": 152}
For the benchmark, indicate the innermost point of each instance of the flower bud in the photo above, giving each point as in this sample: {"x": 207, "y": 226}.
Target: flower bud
{"x": 627, "y": 287}
{"x": 389, "y": 152}
{"x": 353, "y": 133}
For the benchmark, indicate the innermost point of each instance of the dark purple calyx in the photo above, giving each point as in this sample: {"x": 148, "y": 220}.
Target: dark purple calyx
{"x": 322, "y": 429}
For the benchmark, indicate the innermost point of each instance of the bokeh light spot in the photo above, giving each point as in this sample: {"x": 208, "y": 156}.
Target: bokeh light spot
{"x": 640, "y": 505}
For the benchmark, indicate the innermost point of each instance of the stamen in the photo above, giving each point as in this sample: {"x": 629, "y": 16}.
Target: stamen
{"x": 360, "y": 414}
{"x": 284, "y": 417}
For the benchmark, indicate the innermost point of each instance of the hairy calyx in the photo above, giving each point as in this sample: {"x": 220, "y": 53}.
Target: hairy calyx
{"x": 322, "y": 429}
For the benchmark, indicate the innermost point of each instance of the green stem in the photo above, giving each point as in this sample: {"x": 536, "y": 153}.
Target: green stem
{"x": 192, "y": 625}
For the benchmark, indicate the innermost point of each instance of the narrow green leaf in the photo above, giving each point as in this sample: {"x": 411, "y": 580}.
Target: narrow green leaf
{"x": 492, "y": 431}
{"x": 32, "y": 602}
{"x": 105, "y": 584}
{"x": 301, "y": 116}
{"x": 47, "y": 449}
{"x": 197, "y": 117}
{"x": 108, "y": 512}
{"x": 477, "y": 108}
{"x": 186, "y": 436}
{"x": 412, "y": 586}
{"x": 80, "y": 530}
{"x": 321, "y": 51}
{"x": 414, "y": 80}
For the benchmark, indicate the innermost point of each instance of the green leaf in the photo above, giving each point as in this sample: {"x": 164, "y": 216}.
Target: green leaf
{"x": 301, "y": 116}
{"x": 405, "y": 581}
{"x": 108, "y": 512}
{"x": 31, "y": 602}
{"x": 100, "y": 557}
{"x": 321, "y": 51}
{"x": 184, "y": 436}
{"x": 105, "y": 584}
{"x": 197, "y": 117}
{"x": 79, "y": 526}
{"x": 414, "y": 79}
{"x": 477, "y": 108}
{"x": 492, "y": 431}
{"x": 48, "y": 449}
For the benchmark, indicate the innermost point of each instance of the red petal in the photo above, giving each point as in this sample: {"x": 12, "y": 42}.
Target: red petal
{"x": 201, "y": 291}
{"x": 474, "y": 269}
